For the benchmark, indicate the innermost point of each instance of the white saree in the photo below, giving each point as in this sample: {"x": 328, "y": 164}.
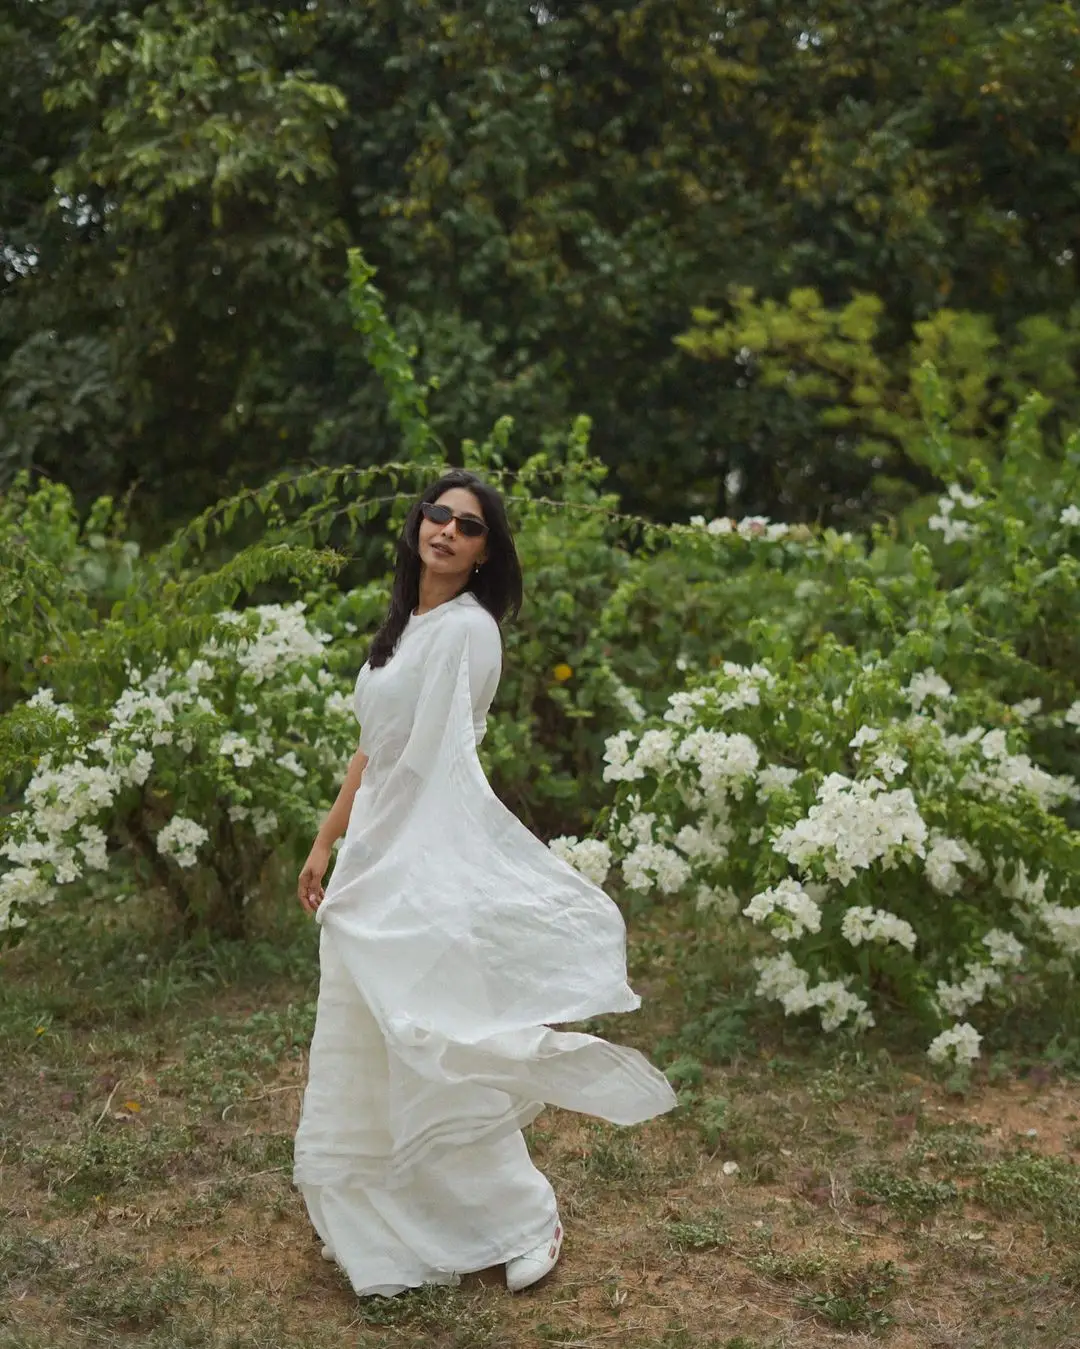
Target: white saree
{"x": 452, "y": 938}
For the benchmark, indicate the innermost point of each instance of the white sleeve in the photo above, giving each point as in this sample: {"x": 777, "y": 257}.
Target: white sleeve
{"x": 485, "y": 667}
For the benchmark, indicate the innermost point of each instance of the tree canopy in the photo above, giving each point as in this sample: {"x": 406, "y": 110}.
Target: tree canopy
{"x": 547, "y": 192}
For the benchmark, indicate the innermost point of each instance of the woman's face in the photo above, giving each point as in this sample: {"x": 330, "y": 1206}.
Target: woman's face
{"x": 444, "y": 549}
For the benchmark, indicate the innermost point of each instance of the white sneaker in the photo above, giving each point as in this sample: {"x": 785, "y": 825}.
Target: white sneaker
{"x": 530, "y": 1268}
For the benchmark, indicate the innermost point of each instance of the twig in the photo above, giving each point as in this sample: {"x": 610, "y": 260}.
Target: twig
{"x": 108, "y": 1103}
{"x": 270, "y": 1171}
{"x": 292, "y": 1086}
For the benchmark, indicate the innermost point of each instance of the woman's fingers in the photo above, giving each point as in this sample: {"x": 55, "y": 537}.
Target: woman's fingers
{"x": 308, "y": 890}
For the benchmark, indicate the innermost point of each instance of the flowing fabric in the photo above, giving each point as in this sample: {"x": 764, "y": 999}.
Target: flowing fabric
{"x": 452, "y": 939}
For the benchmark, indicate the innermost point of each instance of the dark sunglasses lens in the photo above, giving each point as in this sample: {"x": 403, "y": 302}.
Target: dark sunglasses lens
{"x": 438, "y": 515}
{"x": 472, "y": 529}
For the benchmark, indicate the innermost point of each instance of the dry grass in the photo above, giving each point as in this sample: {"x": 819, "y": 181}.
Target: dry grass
{"x": 145, "y": 1159}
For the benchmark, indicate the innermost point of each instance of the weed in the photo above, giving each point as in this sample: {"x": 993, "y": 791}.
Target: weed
{"x": 848, "y": 1313}
{"x": 950, "y": 1147}
{"x": 461, "y": 1320}
{"x": 852, "y": 1297}
{"x": 109, "y": 1162}
{"x": 119, "y": 1297}
{"x": 907, "y": 1196}
{"x": 784, "y": 1268}
{"x": 706, "y": 1234}
{"x": 614, "y": 1158}
{"x": 1047, "y": 1188}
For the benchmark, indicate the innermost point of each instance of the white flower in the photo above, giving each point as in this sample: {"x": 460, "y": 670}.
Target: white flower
{"x": 944, "y": 856}
{"x": 45, "y": 698}
{"x": 890, "y": 766}
{"x": 23, "y": 887}
{"x": 651, "y": 862}
{"x": 1006, "y": 773}
{"x": 339, "y": 704}
{"x": 927, "y": 684}
{"x": 776, "y": 778}
{"x": 788, "y": 901}
{"x": 628, "y": 701}
{"x": 1029, "y": 891}
{"x": 263, "y": 822}
{"x": 197, "y": 672}
{"x": 707, "y": 842}
{"x": 1072, "y": 716}
{"x": 723, "y": 902}
{"x": 655, "y": 752}
{"x": 995, "y": 745}
{"x": 781, "y": 979}
{"x": 683, "y": 705}
{"x": 591, "y": 857}
{"x": 292, "y": 764}
{"x": 865, "y": 735}
{"x": 747, "y": 690}
{"x": 966, "y": 499}
{"x": 1027, "y": 708}
{"x": 282, "y": 638}
{"x": 638, "y": 828}
{"x": 181, "y": 839}
{"x": 853, "y": 825}
{"x": 1063, "y": 924}
{"x": 1070, "y": 515}
{"x": 951, "y": 531}
{"x": 620, "y": 767}
{"x": 138, "y": 770}
{"x": 861, "y": 924}
{"x": 1004, "y": 948}
{"x": 93, "y": 845}
{"x": 238, "y": 749}
{"x": 958, "y": 1044}
{"x": 955, "y": 999}
{"x": 724, "y": 762}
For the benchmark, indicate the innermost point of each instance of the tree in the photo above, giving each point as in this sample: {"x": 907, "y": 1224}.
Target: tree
{"x": 547, "y": 193}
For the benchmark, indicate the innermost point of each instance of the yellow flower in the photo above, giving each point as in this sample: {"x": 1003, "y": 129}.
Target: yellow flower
{"x": 562, "y": 672}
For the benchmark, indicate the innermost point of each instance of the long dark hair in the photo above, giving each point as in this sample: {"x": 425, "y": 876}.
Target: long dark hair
{"x": 497, "y": 585}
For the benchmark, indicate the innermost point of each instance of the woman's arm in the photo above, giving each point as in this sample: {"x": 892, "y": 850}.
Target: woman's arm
{"x": 309, "y": 888}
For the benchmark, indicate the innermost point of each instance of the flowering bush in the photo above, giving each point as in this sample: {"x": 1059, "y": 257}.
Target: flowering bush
{"x": 890, "y": 839}
{"x": 201, "y": 771}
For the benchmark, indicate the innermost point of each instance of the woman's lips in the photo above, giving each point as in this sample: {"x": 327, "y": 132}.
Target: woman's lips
{"x": 442, "y": 548}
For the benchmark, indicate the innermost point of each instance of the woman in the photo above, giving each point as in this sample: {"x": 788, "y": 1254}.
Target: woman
{"x": 451, "y": 939}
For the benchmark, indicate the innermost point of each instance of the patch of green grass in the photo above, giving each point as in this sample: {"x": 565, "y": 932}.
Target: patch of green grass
{"x": 122, "y": 1296}
{"x": 615, "y": 1157}
{"x": 224, "y": 1059}
{"x": 850, "y": 1296}
{"x": 449, "y": 1317}
{"x": 909, "y": 1197}
{"x": 110, "y": 1162}
{"x": 852, "y": 1075}
{"x": 26, "y": 1259}
{"x": 1045, "y": 1188}
{"x": 703, "y": 1234}
{"x": 948, "y": 1147}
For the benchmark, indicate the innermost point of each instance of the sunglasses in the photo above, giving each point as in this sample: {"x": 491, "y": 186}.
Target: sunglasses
{"x": 469, "y": 525}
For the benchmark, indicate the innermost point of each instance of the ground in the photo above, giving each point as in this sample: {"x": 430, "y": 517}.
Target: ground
{"x": 805, "y": 1194}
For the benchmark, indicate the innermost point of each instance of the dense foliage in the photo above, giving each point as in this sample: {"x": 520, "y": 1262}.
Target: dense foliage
{"x": 859, "y": 751}
{"x": 548, "y": 193}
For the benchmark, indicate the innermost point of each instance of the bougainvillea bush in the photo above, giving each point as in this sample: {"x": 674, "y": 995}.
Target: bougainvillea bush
{"x": 884, "y": 817}
{"x": 201, "y": 771}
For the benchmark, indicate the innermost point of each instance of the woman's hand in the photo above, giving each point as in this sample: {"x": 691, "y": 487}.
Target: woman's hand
{"x": 309, "y": 888}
